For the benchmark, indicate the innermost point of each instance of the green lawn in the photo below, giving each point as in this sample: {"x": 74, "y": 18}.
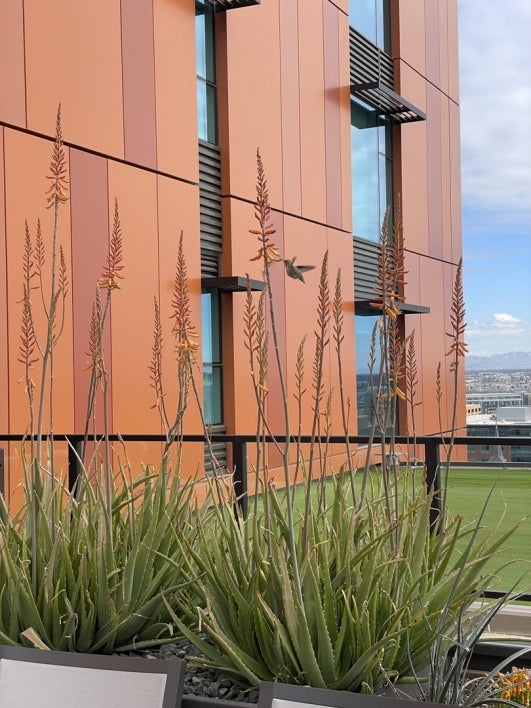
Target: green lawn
{"x": 509, "y": 504}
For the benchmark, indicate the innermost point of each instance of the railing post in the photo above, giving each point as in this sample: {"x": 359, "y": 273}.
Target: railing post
{"x": 239, "y": 463}
{"x": 433, "y": 479}
{"x": 74, "y": 457}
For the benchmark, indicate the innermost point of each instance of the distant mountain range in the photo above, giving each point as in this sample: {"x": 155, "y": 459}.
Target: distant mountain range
{"x": 499, "y": 362}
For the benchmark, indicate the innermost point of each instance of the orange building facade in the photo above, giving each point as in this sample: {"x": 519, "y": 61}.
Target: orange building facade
{"x": 164, "y": 104}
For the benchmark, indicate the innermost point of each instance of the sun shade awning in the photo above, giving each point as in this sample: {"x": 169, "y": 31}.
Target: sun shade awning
{"x": 221, "y": 5}
{"x": 365, "y": 307}
{"x": 232, "y": 283}
{"x": 386, "y": 102}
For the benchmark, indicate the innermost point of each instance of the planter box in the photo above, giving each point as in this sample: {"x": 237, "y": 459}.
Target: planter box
{"x": 190, "y": 701}
{"x": 489, "y": 653}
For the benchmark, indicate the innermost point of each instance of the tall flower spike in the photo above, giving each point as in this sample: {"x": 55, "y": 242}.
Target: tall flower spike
{"x": 58, "y": 190}
{"x": 28, "y": 340}
{"x": 110, "y": 276}
{"x": 458, "y": 346}
{"x": 155, "y": 368}
{"x": 391, "y": 271}
{"x": 184, "y": 330}
{"x": 95, "y": 352}
{"x": 262, "y": 213}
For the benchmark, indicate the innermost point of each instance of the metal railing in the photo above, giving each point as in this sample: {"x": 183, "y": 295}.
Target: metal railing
{"x": 238, "y": 445}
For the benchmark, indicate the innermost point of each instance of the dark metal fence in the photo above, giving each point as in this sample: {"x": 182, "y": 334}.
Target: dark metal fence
{"x": 238, "y": 447}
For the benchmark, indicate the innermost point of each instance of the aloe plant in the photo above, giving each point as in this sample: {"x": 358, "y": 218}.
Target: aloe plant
{"x": 373, "y": 592}
{"x": 349, "y": 592}
{"x": 101, "y": 580}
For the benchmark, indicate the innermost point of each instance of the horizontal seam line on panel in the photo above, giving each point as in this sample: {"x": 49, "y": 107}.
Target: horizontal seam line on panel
{"x": 427, "y": 255}
{"x": 113, "y": 158}
{"x": 332, "y": 2}
{"x": 428, "y": 81}
{"x": 289, "y": 213}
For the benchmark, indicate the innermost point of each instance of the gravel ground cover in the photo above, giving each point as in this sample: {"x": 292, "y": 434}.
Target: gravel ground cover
{"x": 200, "y": 681}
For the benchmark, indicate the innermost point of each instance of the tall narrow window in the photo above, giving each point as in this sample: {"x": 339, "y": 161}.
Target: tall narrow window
{"x": 364, "y": 327}
{"x": 206, "y": 71}
{"x": 368, "y": 376}
{"x": 372, "y": 171}
{"x": 371, "y": 19}
{"x": 210, "y": 209}
{"x": 212, "y": 370}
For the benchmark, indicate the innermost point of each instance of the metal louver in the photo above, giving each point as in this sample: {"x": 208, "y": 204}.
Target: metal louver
{"x": 222, "y": 5}
{"x": 372, "y": 82}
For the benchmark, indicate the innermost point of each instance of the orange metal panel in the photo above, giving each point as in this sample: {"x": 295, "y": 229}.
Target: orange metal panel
{"x": 340, "y": 259}
{"x": 89, "y": 207}
{"x": 433, "y": 344}
{"x": 332, "y": 107}
{"x": 12, "y": 77}
{"x": 26, "y": 166}
{"x": 132, "y": 305}
{"x": 435, "y": 236}
{"x": 311, "y": 62}
{"x": 344, "y": 80}
{"x": 448, "y": 272}
{"x": 453, "y": 51}
{"x": 76, "y": 62}
{"x": 431, "y": 32}
{"x": 412, "y": 291}
{"x": 175, "y": 84}
{"x": 289, "y": 85}
{"x": 275, "y": 402}
{"x": 436, "y": 279}
{"x": 254, "y": 100}
{"x": 408, "y": 25}
{"x": 413, "y": 178}
{"x": 446, "y": 204}
{"x": 240, "y": 404}
{"x": 178, "y": 209}
{"x": 4, "y": 408}
{"x": 455, "y": 181}
{"x": 308, "y": 241}
{"x": 138, "y": 73}
{"x": 443, "y": 46}
{"x": 341, "y": 5}
{"x": 413, "y": 325}
{"x": 411, "y": 85}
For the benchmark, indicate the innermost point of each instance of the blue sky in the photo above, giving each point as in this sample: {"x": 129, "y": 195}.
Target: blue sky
{"x": 495, "y": 96}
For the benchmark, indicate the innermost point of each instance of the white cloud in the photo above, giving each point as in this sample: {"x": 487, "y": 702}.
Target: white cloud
{"x": 502, "y": 332}
{"x": 504, "y": 320}
{"x": 495, "y": 76}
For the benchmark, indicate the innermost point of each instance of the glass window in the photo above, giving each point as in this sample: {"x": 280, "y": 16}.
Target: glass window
{"x": 371, "y": 19}
{"x": 368, "y": 381}
{"x": 206, "y": 72}
{"x": 364, "y": 326}
{"x": 206, "y": 111}
{"x": 211, "y": 349}
{"x": 372, "y": 171}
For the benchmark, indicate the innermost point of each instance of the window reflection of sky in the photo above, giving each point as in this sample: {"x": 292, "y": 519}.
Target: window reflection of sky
{"x": 211, "y": 354}
{"x": 371, "y": 172}
{"x": 206, "y": 329}
{"x": 367, "y": 17}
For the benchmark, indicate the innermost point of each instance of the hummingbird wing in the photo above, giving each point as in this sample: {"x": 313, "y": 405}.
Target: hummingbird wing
{"x": 304, "y": 268}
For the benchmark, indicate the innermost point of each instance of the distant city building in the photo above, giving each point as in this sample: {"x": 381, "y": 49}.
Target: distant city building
{"x": 506, "y": 421}
{"x": 490, "y": 402}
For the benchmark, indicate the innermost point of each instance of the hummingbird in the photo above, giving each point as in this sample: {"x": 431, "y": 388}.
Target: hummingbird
{"x": 296, "y": 271}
